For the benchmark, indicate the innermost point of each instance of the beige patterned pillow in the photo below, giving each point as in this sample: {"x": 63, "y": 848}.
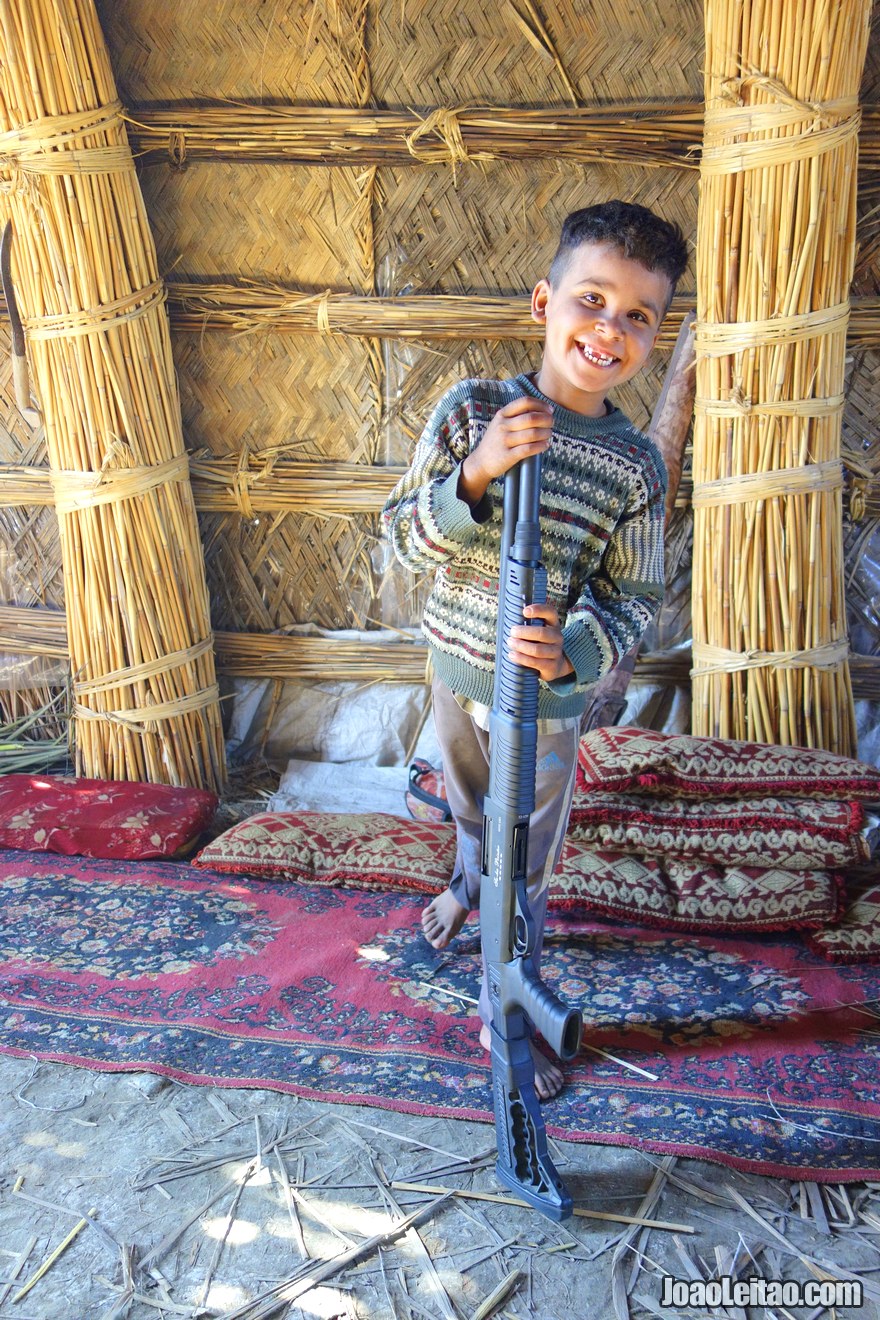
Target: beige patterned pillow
{"x": 622, "y": 758}
{"x": 694, "y": 896}
{"x": 857, "y": 937}
{"x": 367, "y": 851}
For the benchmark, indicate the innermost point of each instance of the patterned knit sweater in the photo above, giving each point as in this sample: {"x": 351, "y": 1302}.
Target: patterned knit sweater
{"x": 603, "y": 489}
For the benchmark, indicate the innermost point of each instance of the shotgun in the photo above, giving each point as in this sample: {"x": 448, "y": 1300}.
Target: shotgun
{"x": 517, "y": 995}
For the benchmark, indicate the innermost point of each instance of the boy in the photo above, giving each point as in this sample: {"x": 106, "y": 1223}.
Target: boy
{"x": 602, "y": 508}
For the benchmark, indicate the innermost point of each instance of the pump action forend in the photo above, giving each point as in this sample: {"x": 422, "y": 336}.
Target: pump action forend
{"x": 517, "y": 995}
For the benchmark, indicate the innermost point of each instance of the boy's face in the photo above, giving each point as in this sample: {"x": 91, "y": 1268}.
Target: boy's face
{"x": 602, "y": 318}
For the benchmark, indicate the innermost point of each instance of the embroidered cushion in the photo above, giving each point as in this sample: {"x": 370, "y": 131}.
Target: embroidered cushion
{"x": 387, "y": 852}
{"x": 619, "y": 759}
{"x": 694, "y": 896}
{"x": 798, "y": 834}
{"x": 857, "y": 937}
{"x": 367, "y": 851}
{"x": 99, "y": 817}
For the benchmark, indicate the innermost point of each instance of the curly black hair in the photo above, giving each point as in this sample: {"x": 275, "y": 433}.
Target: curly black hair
{"x": 637, "y": 232}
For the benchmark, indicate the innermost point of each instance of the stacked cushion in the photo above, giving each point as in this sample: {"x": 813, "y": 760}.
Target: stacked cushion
{"x": 716, "y": 834}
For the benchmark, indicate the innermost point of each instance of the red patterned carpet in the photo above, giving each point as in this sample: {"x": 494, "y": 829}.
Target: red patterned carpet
{"x": 765, "y": 1057}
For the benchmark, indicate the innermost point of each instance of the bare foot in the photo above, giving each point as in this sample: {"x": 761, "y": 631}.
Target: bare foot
{"x": 442, "y": 919}
{"x": 548, "y": 1078}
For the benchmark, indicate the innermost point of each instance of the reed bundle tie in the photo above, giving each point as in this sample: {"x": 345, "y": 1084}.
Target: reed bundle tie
{"x": 96, "y": 320}
{"x": 177, "y": 148}
{"x": 322, "y": 312}
{"x": 148, "y": 669}
{"x": 795, "y": 129}
{"x": 721, "y": 338}
{"x": 74, "y": 491}
{"x": 249, "y": 318}
{"x": 139, "y": 719}
{"x": 50, "y": 145}
{"x": 176, "y": 136}
{"x": 810, "y": 479}
{"x": 859, "y": 494}
{"x": 740, "y": 405}
{"x": 243, "y": 480}
{"x": 717, "y": 660}
{"x": 446, "y": 125}
{"x": 246, "y": 477}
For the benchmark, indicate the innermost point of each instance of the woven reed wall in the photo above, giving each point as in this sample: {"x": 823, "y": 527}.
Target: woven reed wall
{"x": 403, "y": 228}
{"x": 478, "y": 229}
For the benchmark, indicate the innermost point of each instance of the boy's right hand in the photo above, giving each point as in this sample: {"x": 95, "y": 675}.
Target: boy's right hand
{"x": 517, "y": 431}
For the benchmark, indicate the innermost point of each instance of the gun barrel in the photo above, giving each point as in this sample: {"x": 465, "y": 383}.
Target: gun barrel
{"x": 517, "y": 995}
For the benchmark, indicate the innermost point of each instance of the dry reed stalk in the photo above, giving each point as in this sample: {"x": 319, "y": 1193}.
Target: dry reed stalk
{"x": 246, "y": 308}
{"x": 40, "y": 702}
{"x": 775, "y": 253}
{"x": 33, "y": 631}
{"x": 656, "y": 133}
{"x": 274, "y": 655}
{"x": 639, "y": 1220}
{"x": 84, "y": 265}
{"x": 53, "y": 1256}
{"x": 304, "y": 658}
{"x": 20, "y": 751}
{"x": 256, "y": 482}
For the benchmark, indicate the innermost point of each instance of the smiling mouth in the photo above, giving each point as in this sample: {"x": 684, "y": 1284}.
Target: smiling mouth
{"x": 597, "y": 359}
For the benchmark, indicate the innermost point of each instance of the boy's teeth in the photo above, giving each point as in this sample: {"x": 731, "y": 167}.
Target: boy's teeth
{"x": 600, "y": 359}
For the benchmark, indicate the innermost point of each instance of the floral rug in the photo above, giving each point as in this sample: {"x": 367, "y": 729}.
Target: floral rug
{"x": 754, "y": 1052}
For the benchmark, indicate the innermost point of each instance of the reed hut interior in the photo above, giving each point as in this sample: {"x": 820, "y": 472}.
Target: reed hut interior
{"x": 246, "y": 249}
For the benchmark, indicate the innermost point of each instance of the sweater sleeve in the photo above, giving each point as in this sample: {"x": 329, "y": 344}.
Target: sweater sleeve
{"x": 619, "y": 600}
{"x": 424, "y": 517}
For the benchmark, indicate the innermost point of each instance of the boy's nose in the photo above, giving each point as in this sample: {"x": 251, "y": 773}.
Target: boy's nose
{"x": 609, "y": 325}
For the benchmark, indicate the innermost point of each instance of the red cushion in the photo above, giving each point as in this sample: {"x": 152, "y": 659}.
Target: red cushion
{"x": 100, "y": 818}
{"x": 798, "y": 834}
{"x": 617, "y": 759}
{"x": 857, "y": 937}
{"x": 369, "y": 850}
{"x": 694, "y": 896}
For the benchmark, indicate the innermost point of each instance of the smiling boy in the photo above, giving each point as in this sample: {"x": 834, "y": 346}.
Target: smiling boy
{"x": 602, "y": 512}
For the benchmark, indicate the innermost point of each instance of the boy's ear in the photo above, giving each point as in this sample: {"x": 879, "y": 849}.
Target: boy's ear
{"x": 540, "y": 297}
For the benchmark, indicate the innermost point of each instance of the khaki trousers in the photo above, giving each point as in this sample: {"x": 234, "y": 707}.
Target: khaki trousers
{"x": 464, "y": 747}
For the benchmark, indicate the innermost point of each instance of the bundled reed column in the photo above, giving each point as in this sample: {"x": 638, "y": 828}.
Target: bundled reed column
{"x": 84, "y": 265}
{"x": 775, "y": 252}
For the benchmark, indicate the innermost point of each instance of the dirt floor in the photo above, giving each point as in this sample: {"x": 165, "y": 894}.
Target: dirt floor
{"x": 197, "y": 1201}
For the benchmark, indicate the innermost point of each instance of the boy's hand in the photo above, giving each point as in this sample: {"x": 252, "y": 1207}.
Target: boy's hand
{"x": 517, "y": 430}
{"x": 540, "y": 648}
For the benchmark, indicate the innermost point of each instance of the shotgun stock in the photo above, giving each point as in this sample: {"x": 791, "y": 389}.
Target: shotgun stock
{"x": 517, "y": 995}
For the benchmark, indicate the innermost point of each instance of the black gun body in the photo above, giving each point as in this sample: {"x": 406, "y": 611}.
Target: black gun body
{"x": 517, "y": 995}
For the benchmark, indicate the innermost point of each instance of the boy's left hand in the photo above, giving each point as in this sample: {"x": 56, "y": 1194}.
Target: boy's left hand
{"x": 540, "y": 648}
